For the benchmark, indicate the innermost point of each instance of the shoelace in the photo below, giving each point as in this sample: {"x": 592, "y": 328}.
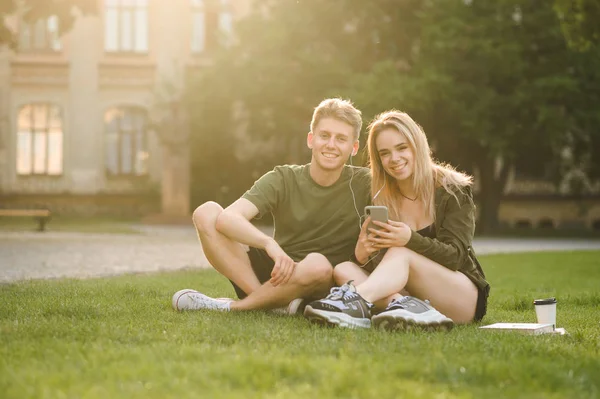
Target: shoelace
{"x": 207, "y": 302}
{"x": 338, "y": 292}
{"x": 400, "y": 302}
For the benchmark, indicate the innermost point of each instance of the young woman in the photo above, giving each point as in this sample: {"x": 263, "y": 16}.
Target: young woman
{"x": 424, "y": 249}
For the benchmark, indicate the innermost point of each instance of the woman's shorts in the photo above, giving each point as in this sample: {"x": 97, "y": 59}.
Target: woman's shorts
{"x": 482, "y": 300}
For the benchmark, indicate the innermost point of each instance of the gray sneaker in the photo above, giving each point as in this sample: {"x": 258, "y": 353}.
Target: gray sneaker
{"x": 408, "y": 311}
{"x": 189, "y": 299}
{"x": 343, "y": 307}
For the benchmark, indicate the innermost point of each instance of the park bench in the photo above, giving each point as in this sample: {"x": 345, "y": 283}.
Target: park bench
{"x": 42, "y": 215}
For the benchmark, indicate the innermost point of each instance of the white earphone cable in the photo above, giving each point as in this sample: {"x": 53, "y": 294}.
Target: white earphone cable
{"x": 353, "y": 195}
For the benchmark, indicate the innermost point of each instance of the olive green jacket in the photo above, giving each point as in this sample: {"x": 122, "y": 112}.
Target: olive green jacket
{"x": 454, "y": 230}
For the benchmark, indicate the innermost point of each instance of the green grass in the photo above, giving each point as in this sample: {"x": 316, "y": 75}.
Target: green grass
{"x": 71, "y": 224}
{"x": 543, "y": 233}
{"x": 119, "y": 337}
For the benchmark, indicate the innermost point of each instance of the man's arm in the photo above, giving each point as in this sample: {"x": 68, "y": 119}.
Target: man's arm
{"x": 234, "y": 222}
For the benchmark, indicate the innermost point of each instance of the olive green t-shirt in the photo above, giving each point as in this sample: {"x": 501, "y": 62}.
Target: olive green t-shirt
{"x": 309, "y": 217}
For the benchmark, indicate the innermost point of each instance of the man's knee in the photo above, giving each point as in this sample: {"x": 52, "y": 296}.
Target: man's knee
{"x": 205, "y": 216}
{"x": 316, "y": 269}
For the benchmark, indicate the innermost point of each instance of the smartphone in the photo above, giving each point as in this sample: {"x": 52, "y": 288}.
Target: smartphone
{"x": 379, "y": 213}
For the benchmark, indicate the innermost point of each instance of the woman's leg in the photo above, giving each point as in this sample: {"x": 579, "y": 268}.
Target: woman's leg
{"x": 450, "y": 292}
{"x": 347, "y": 271}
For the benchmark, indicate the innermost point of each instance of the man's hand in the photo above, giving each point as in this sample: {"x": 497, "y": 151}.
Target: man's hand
{"x": 364, "y": 247}
{"x": 284, "y": 265}
{"x": 396, "y": 234}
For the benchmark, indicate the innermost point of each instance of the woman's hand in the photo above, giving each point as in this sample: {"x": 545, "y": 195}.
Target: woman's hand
{"x": 393, "y": 234}
{"x": 364, "y": 246}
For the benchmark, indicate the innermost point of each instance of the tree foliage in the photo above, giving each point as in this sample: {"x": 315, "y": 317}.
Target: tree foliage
{"x": 489, "y": 81}
{"x": 580, "y": 21}
{"x": 283, "y": 64}
{"x": 498, "y": 79}
{"x": 32, "y": 10}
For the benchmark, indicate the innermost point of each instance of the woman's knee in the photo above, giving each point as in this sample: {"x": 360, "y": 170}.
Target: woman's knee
{"x": 402, "y": 252}
{"x": 316, "y": 269}
{"x": 205, "y": 216}
{"x": 343, "y": 272}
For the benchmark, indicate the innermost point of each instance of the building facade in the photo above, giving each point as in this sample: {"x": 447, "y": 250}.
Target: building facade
{"x": 87, "y": 123}
{"x": 78, "y": 128}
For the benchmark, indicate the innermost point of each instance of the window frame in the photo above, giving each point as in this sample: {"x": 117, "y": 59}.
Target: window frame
{"x": 52, "y": 43}
{"x": 135, "y": 111}
{"x": 119, "y": 7}
{"x": 210, "y": 40}
{"x": 33, "y": 132}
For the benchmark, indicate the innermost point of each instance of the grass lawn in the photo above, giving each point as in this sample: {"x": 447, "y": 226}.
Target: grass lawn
{"x": 70, "y": 224}
{"x": 544, "y": 233}
{"x": 119, "y": 337}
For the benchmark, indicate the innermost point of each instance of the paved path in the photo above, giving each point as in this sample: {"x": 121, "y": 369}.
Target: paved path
{"x": 32, "y": 255}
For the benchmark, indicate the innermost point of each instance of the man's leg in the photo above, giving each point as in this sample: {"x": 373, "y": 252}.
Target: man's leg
{"x": 312, "y": 277}
{"x": 227, "y": 256}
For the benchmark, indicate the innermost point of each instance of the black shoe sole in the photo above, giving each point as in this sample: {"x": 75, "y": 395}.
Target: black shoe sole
{"x": 333, "y": 319}
{"x": 391, "y": 323}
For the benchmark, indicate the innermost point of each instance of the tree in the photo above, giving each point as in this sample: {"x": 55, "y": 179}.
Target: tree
{"x": 492, "y": 81}
{"x": 580, "y": 22}
{"x": 33, "y": 10}
{"x": 285, "y": 62}
{"x": 487, "y": 80}
{"x": 498, "y": 80}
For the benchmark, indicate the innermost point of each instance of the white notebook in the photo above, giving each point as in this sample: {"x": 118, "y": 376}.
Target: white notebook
{"x": 526, "y": 328}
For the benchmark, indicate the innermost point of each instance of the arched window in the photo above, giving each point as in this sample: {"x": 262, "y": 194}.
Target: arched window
{"x": 39, "y": 35}
{"x": 39, "y": 140}
{"x": 126, "y": 130}
{"x": 126, "y": 26}
{"x": 212, "y": 22}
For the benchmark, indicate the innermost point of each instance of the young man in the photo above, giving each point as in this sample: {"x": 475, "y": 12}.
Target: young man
{"x": 316, "y": 211}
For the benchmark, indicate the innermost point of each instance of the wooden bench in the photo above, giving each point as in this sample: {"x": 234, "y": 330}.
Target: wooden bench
{"x": 42, "y": 215}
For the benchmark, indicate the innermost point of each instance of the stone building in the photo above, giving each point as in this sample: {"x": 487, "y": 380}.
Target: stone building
{"x": 78, "y": 112}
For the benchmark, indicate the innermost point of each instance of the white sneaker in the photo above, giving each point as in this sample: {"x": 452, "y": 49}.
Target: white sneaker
{"x": 293, "y": 308}
{"x": 296, "y": 306}
{"x": 189, "y": 299}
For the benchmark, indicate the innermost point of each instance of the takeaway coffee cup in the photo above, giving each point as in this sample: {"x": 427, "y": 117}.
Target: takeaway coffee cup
{"x": 545, "y": 309}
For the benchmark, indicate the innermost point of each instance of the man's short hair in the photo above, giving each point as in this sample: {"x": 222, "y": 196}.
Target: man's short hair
{"x": 342, "y": 110}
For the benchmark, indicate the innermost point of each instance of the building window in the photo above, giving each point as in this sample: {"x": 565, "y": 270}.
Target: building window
{"x": 126, "y": 141}
{"x": 39, "y": 140}
{"x": 126, "y": 26}
{"x": 40, "y": 35}
{"x": 212, "y": 22}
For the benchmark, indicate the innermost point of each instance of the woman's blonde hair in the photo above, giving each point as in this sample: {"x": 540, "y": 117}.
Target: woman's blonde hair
{"x": 427, "y": 173}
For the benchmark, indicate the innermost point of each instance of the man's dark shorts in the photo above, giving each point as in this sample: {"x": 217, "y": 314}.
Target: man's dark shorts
{"x": 262, "y": 264}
